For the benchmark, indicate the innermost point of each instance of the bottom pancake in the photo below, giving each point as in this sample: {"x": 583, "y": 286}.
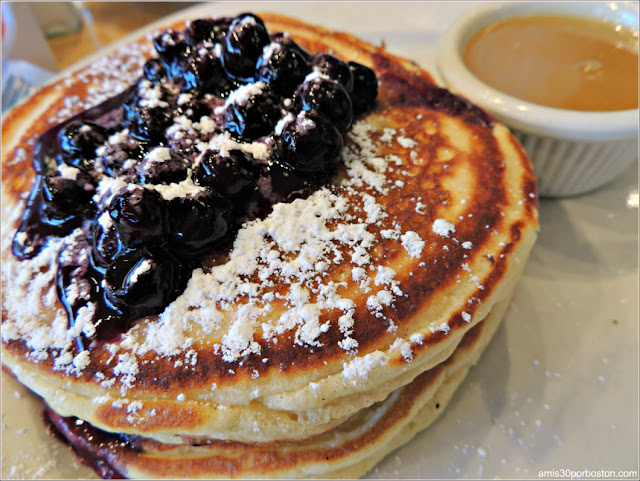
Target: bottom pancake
{"x": 348, "y": 451}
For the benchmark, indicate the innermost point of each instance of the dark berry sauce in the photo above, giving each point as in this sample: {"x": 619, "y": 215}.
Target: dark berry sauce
{"x": 411, "y": 89}
{"x": 94, "y": 447}
{"x": 223, "y": 123}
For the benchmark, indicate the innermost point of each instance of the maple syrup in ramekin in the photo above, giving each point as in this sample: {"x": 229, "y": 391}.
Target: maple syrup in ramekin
{"x": 559, "y": 61}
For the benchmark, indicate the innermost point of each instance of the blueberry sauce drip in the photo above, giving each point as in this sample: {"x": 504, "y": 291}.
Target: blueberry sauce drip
{"x": 94, "y": 446}
{"x": 37, "y": 224}
{"x": 175, "y": 197}
{"x": 413, "y": 90}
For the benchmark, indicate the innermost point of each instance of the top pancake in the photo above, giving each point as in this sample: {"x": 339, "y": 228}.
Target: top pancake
{"x": 320, "y": 309}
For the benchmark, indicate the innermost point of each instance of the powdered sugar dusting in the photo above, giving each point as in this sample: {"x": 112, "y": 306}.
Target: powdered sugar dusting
{"x": 413, "y": 243}
{"x": 296, "y": 246}
{"x": 293, "y": 245}
{"x": 443, "y": 227}
{"x": 359, "y": 368}
{"x": 245, "y": 92}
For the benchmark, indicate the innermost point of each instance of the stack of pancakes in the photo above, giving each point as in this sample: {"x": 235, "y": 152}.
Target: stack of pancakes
{"x": 333, "y": 331}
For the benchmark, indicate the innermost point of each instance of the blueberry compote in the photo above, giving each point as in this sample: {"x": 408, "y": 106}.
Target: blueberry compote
{"x": 224, "y": 122}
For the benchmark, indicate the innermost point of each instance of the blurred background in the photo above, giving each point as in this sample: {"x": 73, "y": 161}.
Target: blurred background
{"x": 40, "y": 39}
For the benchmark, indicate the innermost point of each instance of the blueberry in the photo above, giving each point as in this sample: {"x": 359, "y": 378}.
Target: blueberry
{"x": 231, "y": 174}
{"x": 171, "y": 45}
{"x": 150, "y": 94}
{"x": 148, "y": 124}
{"x": 154, "y": 70}
{"x": 197, "y": 223}
{"x": 328, "y": 98}
{"x": 68, "y": 196}
{"x": 204, "y": 73}
{"x": 78, "y": 143}
{"x": 173, "y": 50}
{"x": 163, "y": 166}
{"x": 206, "y": 30}
{"x": 285, "y": 184}
{"x": 199, "y": 30}
{"x": 139, "y": 215}
{"x": 251, "y": 116}
{"x": 143, "y": 281}
{"x": 335, "y": 69}
{"x": 74, "y": 276}
{"x": 365, "y": 87}
{"x": 243, "y": 45}
{"x": 194, "y": 109}
{"x": 105, "y": 241}
{"x": 310, "y": 145}
{"x": 248, "y": 16}
{"x": 283, "y": 68}
{"x": 115, "y": 159}
{"x": 285, "y": 39}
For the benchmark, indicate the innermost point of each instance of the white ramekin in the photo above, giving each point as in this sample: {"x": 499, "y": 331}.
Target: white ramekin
{"x": 572, "y": 151}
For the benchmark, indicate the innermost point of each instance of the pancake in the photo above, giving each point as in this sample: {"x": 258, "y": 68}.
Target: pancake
{"x": 346, "y": 452}
{"x": 331, "y": 306}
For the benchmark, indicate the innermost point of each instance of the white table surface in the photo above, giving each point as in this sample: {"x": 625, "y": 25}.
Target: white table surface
{"x": 557, "y": 388}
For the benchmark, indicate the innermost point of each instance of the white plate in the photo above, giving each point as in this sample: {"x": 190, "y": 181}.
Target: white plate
{"x": 557, "y": 389}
